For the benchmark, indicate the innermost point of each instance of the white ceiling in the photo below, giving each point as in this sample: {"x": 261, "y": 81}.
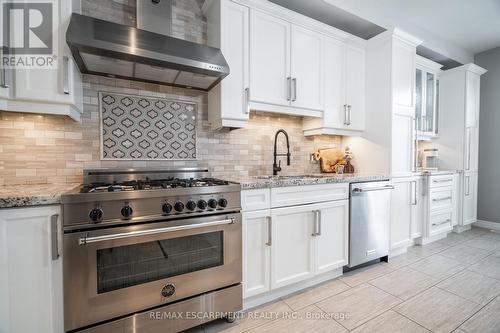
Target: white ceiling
{"x": 472, "y": 25}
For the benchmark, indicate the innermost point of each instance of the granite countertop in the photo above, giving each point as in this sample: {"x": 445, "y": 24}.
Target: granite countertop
{"x": 248, "y": 183}
{"x": 32, "y": 195}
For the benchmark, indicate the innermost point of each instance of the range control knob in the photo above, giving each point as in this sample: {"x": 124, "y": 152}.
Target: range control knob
{"x": 212, "y": 203}
{"x": 179, "y": 206}
{"x": 127, "y": 211}
{"x": 166, "y": 208}
{"x": 202, "y": 204}
{"x": 191, "y": 205}
{"x": 96, "y": 215}
{"x": 222, "y": 202}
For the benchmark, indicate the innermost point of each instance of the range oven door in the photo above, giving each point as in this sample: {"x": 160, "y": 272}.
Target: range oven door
{"x": 113, "y": 272}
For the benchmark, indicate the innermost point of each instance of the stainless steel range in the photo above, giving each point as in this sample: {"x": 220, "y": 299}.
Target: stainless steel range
{"x": 150, "y": 251}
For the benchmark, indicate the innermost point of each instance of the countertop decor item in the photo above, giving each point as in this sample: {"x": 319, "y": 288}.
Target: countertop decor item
{"x": 328, "y": 159}
{"x": 147, "y": 128}
{"x": 348, "y": 168}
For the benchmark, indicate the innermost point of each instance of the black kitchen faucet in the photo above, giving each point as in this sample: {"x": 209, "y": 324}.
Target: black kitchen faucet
{"x": 277, "y": 167}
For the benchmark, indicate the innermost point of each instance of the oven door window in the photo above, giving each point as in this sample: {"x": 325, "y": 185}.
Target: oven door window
{"x": 126, "y": 266}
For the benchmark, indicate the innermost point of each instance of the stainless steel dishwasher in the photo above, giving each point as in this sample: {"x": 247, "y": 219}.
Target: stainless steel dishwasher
{"x": 369, "y": 226}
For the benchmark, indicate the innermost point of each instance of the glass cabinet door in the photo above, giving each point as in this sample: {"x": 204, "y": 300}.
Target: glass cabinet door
{"x": 419, "y": 98}
{"x": 429, "y": 102}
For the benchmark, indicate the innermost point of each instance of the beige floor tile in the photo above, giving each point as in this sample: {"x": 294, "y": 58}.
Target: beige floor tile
{"x": 404, "y": 259}
{"x": 473, "y": 286}
{"x": 492, "y": 234}
{"x": 404, "y": 283}
{"x": 438, "y": 310}
{"x": 315, "y": 294}
{"x": 251, "y": 319}
{"x": 359, "y": 305}
{"x": 309, "y": 319}
{"x": 489, "y": 266}
{"x": 485, "y": 321}
{"x": 438, "y": 266}
{"x": 455, "y": 239}
{"x": 428, "y": 249}
{"x": 390, "y": 322}
{"x": 362, "y": 275}
{"x": 485, "y": 243}
{"x": 466, "y": 254}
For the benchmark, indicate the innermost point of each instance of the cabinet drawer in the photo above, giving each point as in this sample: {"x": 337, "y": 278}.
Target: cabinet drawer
{"x": 441, "y": 199}
{"x": 440, "y": 222}
{"x": 441, "y": 181}
{"x": 299, "y": 195}
{"x": 256, "y": 199}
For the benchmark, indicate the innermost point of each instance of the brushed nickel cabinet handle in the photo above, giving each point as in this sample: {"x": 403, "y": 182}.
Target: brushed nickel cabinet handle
{"x": 345, "y": 114}
{"x": 66, "y": 90}
{"x": 318, "y": 233}
{"x": 247, "y": 100}
{"x": 288, "y": 88}
{"x": 349, "y": 115}
{"x": 441, "y": 199}
{"x": 54, "y": 232}
{"x": 294, "y": 91}
{"x": 269, "y": 231}
{"x": 441, "y": 223}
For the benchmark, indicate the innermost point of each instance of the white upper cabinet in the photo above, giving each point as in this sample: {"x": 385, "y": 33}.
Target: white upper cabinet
{"x": 344, "y": 90}
{"x": 427, "y": 97}
{"x": 306, "y": 69}
{"x": 270, "y": 80}
{"x": 403, "y": 67}
{"x": 51, "y": 91}
{"x": 355, "y": 87}
{"x": 228, "y": 29}
{"x": 472, "y": 97}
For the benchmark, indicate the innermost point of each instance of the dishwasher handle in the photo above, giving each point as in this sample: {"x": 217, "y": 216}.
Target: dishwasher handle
{"x": 363, "y": 190}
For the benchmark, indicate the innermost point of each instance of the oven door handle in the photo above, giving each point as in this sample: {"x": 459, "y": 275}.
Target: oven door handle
{"x": 86, "y": 239}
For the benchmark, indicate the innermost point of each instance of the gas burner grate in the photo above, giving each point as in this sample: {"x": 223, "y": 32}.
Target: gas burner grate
{"x": 152, "y": 184}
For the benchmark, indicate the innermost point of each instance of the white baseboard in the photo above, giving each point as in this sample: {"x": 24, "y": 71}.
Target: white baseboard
{"x": 487, "y": 225}
{"x": 272, "y": 295}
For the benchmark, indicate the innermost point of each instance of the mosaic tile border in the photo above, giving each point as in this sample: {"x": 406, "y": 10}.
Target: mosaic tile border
{"x": 145, "y": 128}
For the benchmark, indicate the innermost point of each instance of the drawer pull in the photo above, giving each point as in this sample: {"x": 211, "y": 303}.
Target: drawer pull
{"x": 442, "y": 181}
{"x": 441, "y": 199}
{"x": 441, "y": 223}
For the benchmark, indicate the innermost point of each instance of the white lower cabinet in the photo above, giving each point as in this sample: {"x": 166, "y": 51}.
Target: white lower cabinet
{"x": 469, "y": 214}
{"x": 282, "y": 246}
{"x": 403, "y": 211}
{"x": 417, "y": 224}
{"x": 256, "y": 252}
{"x": 31, "y": 278}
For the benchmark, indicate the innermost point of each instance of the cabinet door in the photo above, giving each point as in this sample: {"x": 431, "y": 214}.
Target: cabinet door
{"x": 355, "y": 87}
{"x": 4, "y": 73}
{"x": 306, "y": 69}
{"x": 332, "y": 238}
{"x": 292, "y": 245}
{"x": 269, "y": 59}
{"x": 471, "y": 154}
{"x": 402, "y": 212}
{"x": 234, "y": 45}
{"x": 256, "y": 252}
{"x": 403, "y": 76}
{"x": 403, "y": 145}
{"x": 472, "y": 88}
{"x": 470, "y": 198}
{"x": 335, "y": 113}
{"x": 421, "y": 207}
{"x": 30, "y": 279}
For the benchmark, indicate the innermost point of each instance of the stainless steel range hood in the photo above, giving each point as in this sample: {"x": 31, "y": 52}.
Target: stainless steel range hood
{"x": 106, "y": 48}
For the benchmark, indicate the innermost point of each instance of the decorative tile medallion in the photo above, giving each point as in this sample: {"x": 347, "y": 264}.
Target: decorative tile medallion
{"x": 146, "y": 128}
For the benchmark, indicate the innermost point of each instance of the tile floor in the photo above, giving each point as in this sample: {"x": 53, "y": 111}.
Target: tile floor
{"x": 452, "y": 285}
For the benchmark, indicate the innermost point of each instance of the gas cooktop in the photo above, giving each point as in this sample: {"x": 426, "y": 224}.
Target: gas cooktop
{"x": 149, "y": 184}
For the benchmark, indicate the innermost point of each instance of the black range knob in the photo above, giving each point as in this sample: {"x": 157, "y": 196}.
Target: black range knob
{"x": 191, "y": 205}
{"x": 127, "y": 211}
{"x": 179, "y": 206}
{"x": 222, "y": 202}
{"x": 202, "y": 204}
{"x": 166, "y": 208}
{"x": 212, "y": 203}
{"x": 96, "y": 215}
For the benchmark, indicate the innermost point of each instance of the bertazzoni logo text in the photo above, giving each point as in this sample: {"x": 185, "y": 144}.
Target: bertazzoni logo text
{"x": 29, "y": 31}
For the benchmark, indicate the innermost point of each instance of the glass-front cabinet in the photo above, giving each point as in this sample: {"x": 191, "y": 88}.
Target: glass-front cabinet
{"x": 427, "y": 98}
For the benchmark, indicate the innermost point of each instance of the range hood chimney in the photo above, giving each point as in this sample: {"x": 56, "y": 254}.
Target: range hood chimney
{"x": 146, "y": 53}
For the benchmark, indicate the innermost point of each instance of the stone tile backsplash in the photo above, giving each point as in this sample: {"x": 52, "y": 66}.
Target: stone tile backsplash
{"x": 40, "y": 149}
